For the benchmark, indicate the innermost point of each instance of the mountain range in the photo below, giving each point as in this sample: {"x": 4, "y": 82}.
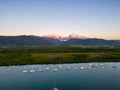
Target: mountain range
{"x": 31, "y": 40}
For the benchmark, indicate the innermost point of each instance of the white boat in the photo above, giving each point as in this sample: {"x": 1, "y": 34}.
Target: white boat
{"x": 54, "y": 88}
{"x": 60, "y": 66}
{"x": 114, "y": 66}
{"x": 24, "y": 71}
{"x": 40, "y": 70}
{"x": 8, "y": 69}
{"x": 55, "y": 69}
{"x": 47, "y": 68}
{"x": 75, "y": 68}
{"x": 92, "y": 65}
{"x": 82, "y": 68}
{"x": 68, "y": 68}
{"x": 32, "y": 70}
{"x": 101, "y": 64}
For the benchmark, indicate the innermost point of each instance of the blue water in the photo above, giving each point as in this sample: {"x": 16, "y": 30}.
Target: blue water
{"x": 100, "y": 77}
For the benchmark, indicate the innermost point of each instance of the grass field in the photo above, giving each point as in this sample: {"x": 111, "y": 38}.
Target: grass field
{"x": 57, "y": 54}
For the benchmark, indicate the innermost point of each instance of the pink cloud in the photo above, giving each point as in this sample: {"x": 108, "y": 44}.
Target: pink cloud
{"x": 56, "y": 36}
{"x": 73, "y": 35}
{"x": 53, "y": 35}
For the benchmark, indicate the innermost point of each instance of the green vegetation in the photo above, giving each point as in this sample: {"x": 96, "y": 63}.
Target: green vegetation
{"x": 58, "y": 54}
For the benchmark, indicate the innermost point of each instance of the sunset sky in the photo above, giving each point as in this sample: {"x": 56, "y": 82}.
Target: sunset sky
{"x": 90, "y": 18}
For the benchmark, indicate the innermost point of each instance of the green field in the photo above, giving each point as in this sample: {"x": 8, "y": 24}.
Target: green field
{"x": 58, "y": 54}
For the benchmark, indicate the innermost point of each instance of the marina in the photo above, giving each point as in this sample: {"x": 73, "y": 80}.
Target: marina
{"x": 81, "y": 76}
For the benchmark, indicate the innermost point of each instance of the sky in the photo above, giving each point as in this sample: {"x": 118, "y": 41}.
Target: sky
{"x": 89, "y": 18}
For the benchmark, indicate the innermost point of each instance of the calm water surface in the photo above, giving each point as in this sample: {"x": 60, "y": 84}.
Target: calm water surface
{"x": 84, "y": 76}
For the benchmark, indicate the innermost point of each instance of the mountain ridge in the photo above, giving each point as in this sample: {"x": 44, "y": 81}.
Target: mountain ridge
{"x": 31, "y": 40}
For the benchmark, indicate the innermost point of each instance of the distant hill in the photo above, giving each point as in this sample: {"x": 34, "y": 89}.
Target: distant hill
{"x": 30, "y": 40}
{"x": 23, "y": 41}
{"x": 92, "y": 42}
{"x": 53, "y": 41}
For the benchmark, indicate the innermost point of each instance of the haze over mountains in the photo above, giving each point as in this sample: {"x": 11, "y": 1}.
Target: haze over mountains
{"x": 31, "y": 40}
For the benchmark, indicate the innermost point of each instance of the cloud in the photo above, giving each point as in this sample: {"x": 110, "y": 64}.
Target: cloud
{"x": 53, "y": 35}
{"x": 56, "y": 36}
{"x": 73, "y": 35}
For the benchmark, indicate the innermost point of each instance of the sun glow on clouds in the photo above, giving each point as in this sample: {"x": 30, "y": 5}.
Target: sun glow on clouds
{"x": 73, "y": 35}
{"x": 56, "y": 36}
{"x": 52, "y": 35}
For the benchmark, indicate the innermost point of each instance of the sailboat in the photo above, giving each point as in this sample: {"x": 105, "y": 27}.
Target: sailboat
{"x": 24, "y": 71}
{"x": 32, "y": 70}
{"x": 55, "y": 87}
{"x": 40, "y": 69}
{"x": 68, "y": 68}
